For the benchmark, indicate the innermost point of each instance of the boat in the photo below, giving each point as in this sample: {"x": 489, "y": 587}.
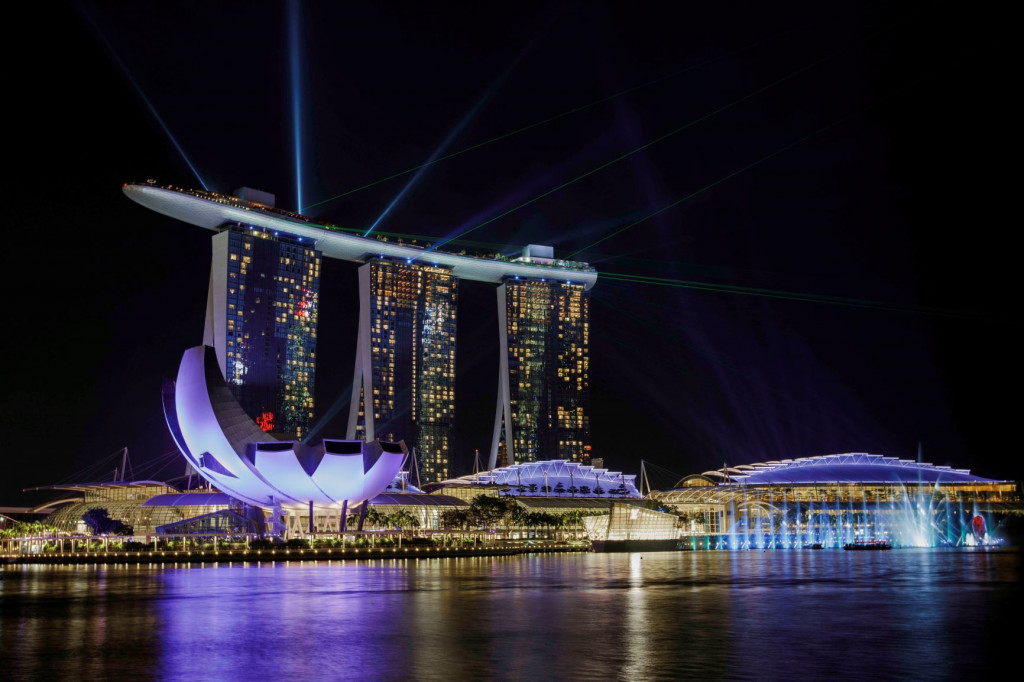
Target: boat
{"x": 816, "y": 545}
{"x": 868, "y": 544}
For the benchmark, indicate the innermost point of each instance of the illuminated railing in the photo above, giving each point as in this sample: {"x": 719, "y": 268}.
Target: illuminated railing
{"x": 229, "y": 200}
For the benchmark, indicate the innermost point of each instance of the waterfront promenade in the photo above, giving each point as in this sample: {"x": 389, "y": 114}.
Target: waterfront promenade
{"x": 230, "y": 555}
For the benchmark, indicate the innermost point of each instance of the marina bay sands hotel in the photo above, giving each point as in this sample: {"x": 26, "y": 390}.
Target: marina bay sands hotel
{"x": 262, "y": 314}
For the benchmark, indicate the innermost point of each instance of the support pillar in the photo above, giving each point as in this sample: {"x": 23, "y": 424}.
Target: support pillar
{"x": 504, "y": 403}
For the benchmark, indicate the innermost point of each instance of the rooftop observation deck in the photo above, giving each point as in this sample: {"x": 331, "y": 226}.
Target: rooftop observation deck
{"x": 213, "y": 211}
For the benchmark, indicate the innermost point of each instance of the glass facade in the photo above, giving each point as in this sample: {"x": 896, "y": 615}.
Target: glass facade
{"x": 548, "y": 329}
{"x": 834, "y": 500}
{"x": 270, "y": 328}
{"x": 412, "y": 345}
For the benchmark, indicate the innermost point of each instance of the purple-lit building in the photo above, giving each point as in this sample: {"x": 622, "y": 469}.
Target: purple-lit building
{"x": 227, "y": 448}
{"x": 836, "y": 500}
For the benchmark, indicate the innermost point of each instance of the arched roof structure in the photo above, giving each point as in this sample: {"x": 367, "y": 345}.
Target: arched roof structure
{"x": 856, "y": 467}
{"x": 548, "y": 473}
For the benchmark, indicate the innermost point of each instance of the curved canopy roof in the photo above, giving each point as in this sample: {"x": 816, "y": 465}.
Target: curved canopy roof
{"x": 230, "y": 451}
{"x": 550, "y": 473}
{"x": 189, "y": 500}
{"x": 856, "y": 467}
{"x": 102, "y": 486}
{"x": 211, "y": 211}
{"x": 417, "y": 499}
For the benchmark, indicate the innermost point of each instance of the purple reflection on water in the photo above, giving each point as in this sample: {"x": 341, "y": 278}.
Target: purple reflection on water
{"x": 908, "y": 614}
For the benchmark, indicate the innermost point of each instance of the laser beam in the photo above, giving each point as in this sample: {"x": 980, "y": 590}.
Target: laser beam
{"x": 790, "y": 295}
{"x": 551, "y": 119}
{"x": 294, "y": 20}
{"x": 666, "y": 136}
{"x": 744, "y": 169}
{"x": 149, "y": 105}
{"x": 470, "y": 115}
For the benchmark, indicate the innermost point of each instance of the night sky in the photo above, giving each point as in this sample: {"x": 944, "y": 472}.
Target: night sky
{"x": 889, "y": 196}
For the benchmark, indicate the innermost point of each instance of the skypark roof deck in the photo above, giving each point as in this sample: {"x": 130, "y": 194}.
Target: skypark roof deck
{"x": 213, "y": 211}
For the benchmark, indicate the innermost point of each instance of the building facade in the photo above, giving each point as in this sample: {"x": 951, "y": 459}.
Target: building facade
{"x": 543, "y": 406}
{"x": 404, "y": 380}
{"x": 262, "y": 320}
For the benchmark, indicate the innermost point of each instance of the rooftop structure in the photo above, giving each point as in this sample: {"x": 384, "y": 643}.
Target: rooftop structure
{"x": 142, "y": 505}
{"x": 213, "y": 211}
{"x": 552, "y": 478}
{"x": 834, "y": 500}
{"x": 846, "y": 468}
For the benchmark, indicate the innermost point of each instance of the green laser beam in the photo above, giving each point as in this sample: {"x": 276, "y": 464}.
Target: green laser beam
{"x": 792, "y": 295}
{"x": 551, "y": 119}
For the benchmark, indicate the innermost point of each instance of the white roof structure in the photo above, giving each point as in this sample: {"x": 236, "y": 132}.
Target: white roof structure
{"x": 229, "y": 450}
{"x": 212, "y": 211}
{"x": 557, "y": 474}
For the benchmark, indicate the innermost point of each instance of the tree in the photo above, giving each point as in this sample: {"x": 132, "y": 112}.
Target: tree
{"x": 99, "y": 521}
{"x": 403, "y": 519}
{"x": 487, "y": 510}
{"x": 599, "y": 490}
{"x": 455, "y": 518}
{"x": 571, "y": 518}
{"x": 559, "y": 488}
{"x": 573, "y": 490}
{"x": 584, "y": 490}
{"x": 657, "y": 505}
{"x": 533, "y": 488}
{"x": 377, "y": 518}
{"x": 17, "y": 529}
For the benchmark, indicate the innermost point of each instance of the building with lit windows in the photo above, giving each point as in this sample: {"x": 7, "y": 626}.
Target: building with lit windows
{"x": 404, "y": 380}
{"x": 261, "y": 318}
{"x": 835, "y": 500}
{"x": 543, "y": 406}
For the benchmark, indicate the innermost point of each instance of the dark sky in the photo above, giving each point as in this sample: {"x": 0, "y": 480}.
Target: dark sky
{"x": 889, "y": 195}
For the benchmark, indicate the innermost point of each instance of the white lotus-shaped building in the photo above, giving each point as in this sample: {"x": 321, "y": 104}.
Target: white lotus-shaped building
{"x": 230, "y": 451}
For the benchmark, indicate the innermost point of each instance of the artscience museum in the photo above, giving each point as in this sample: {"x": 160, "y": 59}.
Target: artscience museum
{"x": 227, "y": 448}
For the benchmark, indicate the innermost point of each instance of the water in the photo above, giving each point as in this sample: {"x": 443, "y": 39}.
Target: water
{"x": 903, "y": 614}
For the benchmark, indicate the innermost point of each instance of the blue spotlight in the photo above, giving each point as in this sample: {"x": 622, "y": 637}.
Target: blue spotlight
{"x": 294, "y": 17}
{"x": 437, "y": 152}
{"x": 149, "y": 105}
{"x": 448, "y": 140}
{"x": 170, "y": 136}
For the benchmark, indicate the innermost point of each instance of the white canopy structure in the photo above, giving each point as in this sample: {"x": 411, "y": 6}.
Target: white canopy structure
{"x": 212, "y": 211}
{"x": 230, "y": 451}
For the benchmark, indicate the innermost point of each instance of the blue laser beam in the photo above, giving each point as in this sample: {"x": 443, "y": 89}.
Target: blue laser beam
{"x": 294, "y": 21}
{"x": 437, "y": 152}
{"x": 470, "y": 115}
{"x": 149, "y": 105}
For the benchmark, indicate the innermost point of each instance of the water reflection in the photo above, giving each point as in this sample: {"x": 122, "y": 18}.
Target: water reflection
{"x": 710, "y": 615}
